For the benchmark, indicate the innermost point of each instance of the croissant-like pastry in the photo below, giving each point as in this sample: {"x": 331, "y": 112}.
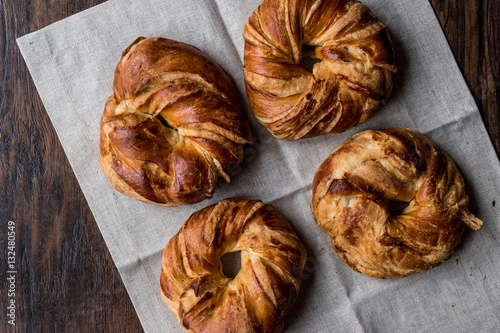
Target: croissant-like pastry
{"x": 350, "y": 193}
{"x": 272, "y": 258}
{"x": 172, "y": 124}
{"x": 351, "y": 82}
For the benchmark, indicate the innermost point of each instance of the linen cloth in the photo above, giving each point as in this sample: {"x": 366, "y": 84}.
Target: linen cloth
{"x": 72, "y": 64}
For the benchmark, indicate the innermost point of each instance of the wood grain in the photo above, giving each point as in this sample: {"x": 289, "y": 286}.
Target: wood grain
{"x": 66, "y": 280}
{"x": 472, "y": 29}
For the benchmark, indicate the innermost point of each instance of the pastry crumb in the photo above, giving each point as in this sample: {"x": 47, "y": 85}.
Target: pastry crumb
{"x": 452, "y": 305}
{"x": 456, "y": 261}
{"x": 484, "y": 276}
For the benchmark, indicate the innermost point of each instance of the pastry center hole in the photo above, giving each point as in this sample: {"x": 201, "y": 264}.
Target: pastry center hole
{"x": 231, "y": 264}
{"x": 308, "y": 58}
{"x": 163, "y": 121}
{"x": 397, "y": 207}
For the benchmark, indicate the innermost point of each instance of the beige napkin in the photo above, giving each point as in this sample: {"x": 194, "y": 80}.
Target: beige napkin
{"x": 72, "y": 64}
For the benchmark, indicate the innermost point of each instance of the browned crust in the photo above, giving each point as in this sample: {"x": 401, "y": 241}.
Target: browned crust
{"x": 172, "y": 124}
{"x": 350, "y": 193}
{"x": 203, "y": 299}
{"x": 357, "y": 65}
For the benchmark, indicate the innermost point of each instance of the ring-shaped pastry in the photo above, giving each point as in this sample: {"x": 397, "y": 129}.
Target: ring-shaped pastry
{"x": 172, "y": 124}
{"x": 351, "y": 190}
{"x": 195, "y": 288}
{"x": 351, "y": 82}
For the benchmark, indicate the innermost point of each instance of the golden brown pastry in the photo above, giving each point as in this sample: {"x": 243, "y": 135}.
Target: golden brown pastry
{"x": 351, "y": 82}
{"x": 172, "y": 124}
{"x": 350, "y": 193}
{"x": 272, "y": 258}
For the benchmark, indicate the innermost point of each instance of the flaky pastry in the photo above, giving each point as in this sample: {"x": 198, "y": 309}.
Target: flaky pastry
{"x": 195, "y": 288}
{"x": 351, "y": 190}
{"x": 172, "y": 124}
{"x": 353, "y": 79}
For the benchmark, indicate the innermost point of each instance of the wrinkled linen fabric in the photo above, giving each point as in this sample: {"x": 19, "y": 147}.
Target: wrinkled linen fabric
{"x": 72, "y": 64}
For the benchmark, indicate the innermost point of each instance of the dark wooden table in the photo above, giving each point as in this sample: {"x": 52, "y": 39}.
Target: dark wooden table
{"x": 66, "y": 279}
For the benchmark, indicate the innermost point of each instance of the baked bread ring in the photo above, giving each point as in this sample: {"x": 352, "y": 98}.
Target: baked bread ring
{"x": 351, "y": 82}
{"x": 350, "y": 193}
{"x": 172, "y": 124}
{"x": 272, "y": 258}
